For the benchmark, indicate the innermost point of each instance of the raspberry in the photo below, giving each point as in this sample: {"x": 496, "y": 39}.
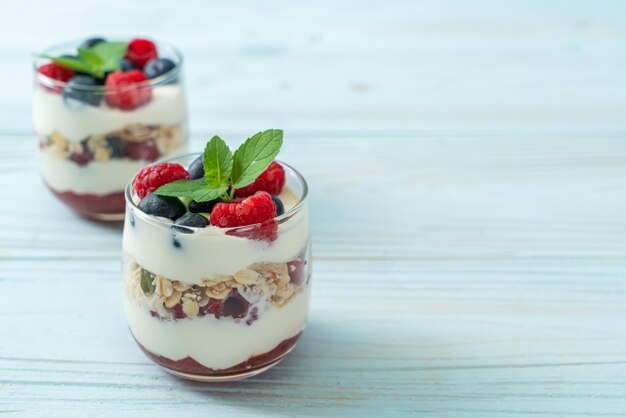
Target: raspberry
{"x": 140, "y": 51}
{"x": 271, "y": 180}
{"x": 123, "y": 91}
{"x": 152, "y": 177}
{"x": 256, "y": 209}
{"x": 56, "y": 72}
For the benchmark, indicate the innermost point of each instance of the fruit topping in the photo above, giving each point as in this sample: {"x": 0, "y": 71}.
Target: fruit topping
{"x": 196, "y": 168}
{"x": 140, "y": 51}
{"x": 271, "y": 180}
{"x": 158, "y": 67}
{"x": 165, "y": 206}
{"x": 218, "y": 173}
{"x": 84, "y": 89}
{"x": 56, "y": 72}
{"x": 192, "y": 220}
{"x": 126, "y": 91}
{"x": 95, "y": 57}
{"x": 280, "y": 208}
{"x": 91, "y": 42}
{"x": 248, "y": 211}
{"x": 152, "y": 177}
{"x": 256, "y": 209}
{"x": 126, "y": 65}
{"x": 202, "y": 207}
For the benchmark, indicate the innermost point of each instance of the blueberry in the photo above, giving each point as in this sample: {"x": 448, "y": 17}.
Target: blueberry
{"x": 82, "y": 88}
{"x": 117, "y": 146}
{"x": 280, "y": 208}
{"x": 196, "y": 168}
{"x": 192, "y": 220}
{"x": 157, "y": 67}
{"x": 126, "y": 65}
{"x": 165, "y": 206}
{"x": 204, "y": 207}
{"x": 91, "y": 42}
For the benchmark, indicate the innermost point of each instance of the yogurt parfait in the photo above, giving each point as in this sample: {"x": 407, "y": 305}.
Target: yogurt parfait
{"x": 101, "y": 111}
{"x": 217, "y": 263}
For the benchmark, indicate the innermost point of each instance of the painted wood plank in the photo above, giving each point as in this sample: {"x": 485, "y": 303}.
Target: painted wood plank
{"x": 467, "y": 172}
{"x": 497, "y": 289}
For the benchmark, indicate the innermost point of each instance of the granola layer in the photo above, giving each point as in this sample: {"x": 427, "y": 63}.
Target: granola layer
{"x": 276, "y": 283}
{"x": 135, "y": 142}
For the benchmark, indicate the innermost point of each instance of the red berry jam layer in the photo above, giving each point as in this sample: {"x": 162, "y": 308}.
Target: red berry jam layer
{"x": 190, "y": 366}
{"x": 92, "y": 205}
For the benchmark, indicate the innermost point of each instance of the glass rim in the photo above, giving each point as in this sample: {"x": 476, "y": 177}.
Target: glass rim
{"x": 153, "y": 82}
{"x": 160, "y": 222}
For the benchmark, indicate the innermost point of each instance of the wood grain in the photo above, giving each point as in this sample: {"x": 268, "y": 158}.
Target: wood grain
{"x": 467, "y": 165}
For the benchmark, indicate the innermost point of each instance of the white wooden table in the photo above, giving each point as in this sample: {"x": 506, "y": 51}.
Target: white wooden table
{"x": 467, "y": 164}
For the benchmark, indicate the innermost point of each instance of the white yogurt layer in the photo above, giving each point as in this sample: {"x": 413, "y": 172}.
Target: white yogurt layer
{"x": 97, "y": 177}
{"x": 76, "y": 121}
{"x": 218, "y": 343}
{"x": 209, "y": 252}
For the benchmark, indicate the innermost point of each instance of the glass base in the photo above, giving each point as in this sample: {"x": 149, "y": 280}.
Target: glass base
{"x": 230, "y": 377}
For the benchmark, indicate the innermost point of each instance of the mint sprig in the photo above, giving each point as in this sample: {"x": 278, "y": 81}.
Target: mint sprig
{"x": 95, "y": 61}
{"x": 224, "y": 172}
{"x": 255, "y": 155}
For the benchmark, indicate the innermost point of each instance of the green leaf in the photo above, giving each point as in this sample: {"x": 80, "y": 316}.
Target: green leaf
{"x": 95, "y": 61}
{"x": 254, "y": 156}
{"x": 90, "y": 57}
{"x": 181, "y": 188}
{"x": 198, "y": 190}
{"x": 208, "y": 193}
{"x": 110, "y": 50}
{"x": 92, "y": 60}
{"x": 218, "y": 163}
{"x": 110, "y": 53}
{"x": 71, "y": 63}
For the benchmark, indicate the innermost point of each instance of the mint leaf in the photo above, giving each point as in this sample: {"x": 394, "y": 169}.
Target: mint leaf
{"x": 198, "y": 190}
{"x": 208, "y": 193}
{"x": 180, "y": 188}
{"x": 254, "y": 156}
{"x": 90, "y": 57}
{"x": 95, "y": 61}
{"x": 92, "y": 60}
{"x": 71, "y": 63}
{"x": 110, "y": 53}
{"x": 218, "y": 163}
{"x": 110, "y": 50}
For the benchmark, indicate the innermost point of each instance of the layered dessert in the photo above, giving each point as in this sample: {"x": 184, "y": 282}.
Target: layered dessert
{"x": 101, "y": 111}
{"x": 217, "y": 260}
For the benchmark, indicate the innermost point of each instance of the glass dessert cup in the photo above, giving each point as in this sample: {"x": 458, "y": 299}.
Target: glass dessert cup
{"x": 217, "y": 304}
{"x": 89, "y": 148}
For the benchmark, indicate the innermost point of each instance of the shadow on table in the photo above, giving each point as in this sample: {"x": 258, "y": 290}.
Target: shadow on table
{"x": 319, "y": 373}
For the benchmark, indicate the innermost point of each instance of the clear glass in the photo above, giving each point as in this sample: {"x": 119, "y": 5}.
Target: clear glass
{"x": 216, "y": 304}
{"x": 89, "y": 148}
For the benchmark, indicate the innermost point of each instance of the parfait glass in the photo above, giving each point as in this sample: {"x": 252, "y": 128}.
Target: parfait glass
{"x": 93, "y": 139}
{"x": 215, "y": 304}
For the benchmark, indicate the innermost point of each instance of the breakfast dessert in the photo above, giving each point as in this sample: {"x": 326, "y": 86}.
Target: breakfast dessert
{"x": 101, "y": 111}
{"x": 217, "y": 260}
